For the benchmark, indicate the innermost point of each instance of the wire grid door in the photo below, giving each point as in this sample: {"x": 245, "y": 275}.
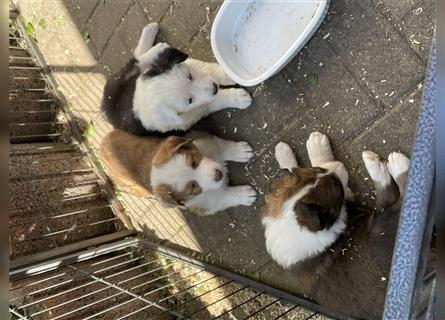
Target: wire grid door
{"x": 133, "y": 279}
{"x": 163, "y": 223}
{"x": 56, "y": 197}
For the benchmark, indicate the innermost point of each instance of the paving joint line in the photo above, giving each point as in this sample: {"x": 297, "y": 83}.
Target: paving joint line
{"x": 170, "y": 8}
{"x": 206, "y": 23}
{"x": 109, "y": 40}
{"x": 357, "y": 80}
{"x": 92, "y": 13}
{"x": 359, "y": 133}
{"x": 392, "y": 22}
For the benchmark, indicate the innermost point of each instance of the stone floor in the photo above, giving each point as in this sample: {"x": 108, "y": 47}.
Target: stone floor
{"x": 369, "y": 57}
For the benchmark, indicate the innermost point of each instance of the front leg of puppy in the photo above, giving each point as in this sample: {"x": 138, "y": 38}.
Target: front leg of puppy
{"x": 149, "y": 57}
{"x": 222, "y": 150}
{"x": 226, "y": 98}
{"x": 213, "y": 69}
{"x": 398, "y": 166}
{"x": 321, "y": 155}
{"x": 386, "y": 189}
{"x": 234, "y": 151}
{"x": 231, "y": 98}
{"x": 319, "y": 149}
{"x": 285, "y": 157}
{"x": 214, "y": 201}
{"x": 147, "y": 39}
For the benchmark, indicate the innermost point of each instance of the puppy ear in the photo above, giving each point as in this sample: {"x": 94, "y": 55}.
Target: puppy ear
{"x": 165, "y": 195}
{"x": 171, "y": 56}
{"x": 169, "y": 148}
{"x": 311, "y": 215}
{"x": 175, "y": 143}
{"x": 320, "y": 208}
{"x": 165, "y": 61}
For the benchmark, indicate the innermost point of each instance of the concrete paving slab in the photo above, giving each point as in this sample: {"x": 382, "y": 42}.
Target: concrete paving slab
{"x": 123, "y": 41}
{"x": 374, "y": 51}
{"x": 210, "y": 231}
{"x": 154, "y": 10}
{"x": 60, "y": 40}
{"x": 394, "y": 8}
{"x": 415, "y": 20}
{"x": 199, "y": 46}
{"x": 81, "y": 10}
{"x": 418, "y": 27}
{"x": 107, "y": 16}
{"x": 233, "y": 243}
{"x": 337, "y": 103}
{"x": 284, "y": 279}
{"x": 185, "y": 20}
{"x": 276, "y": 101}
{"x": 395, "y": 131}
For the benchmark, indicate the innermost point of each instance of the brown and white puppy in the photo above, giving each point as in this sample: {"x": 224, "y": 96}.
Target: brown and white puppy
{"x": 188, "y": 172}
{"x": 339, "y": 253}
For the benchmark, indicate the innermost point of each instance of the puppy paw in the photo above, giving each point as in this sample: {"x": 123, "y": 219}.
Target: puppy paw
{"x": 319, "y": 149}
{"x": 161, "y": 46}
{"x": 285, "y": 157}
{"x": 246, "y": 195}
{"x": 376, "y": 167}
{"x": 241, "y": 152}
{"x": 241, "y": 98}
{"x": 152, "y": 28}
{"x": 398, "y": 164}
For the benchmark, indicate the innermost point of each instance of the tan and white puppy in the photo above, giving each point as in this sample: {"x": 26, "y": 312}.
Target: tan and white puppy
{"x": 188, "y": 172}
{"x": 338, "y": 252}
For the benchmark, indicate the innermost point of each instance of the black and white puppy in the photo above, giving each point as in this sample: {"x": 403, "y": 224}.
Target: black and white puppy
{"x": 162, "y": 90}
{"x": 339, "y": 253}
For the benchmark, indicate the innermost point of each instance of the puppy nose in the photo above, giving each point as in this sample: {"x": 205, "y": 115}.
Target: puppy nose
{"x": 215, "y": 88}
{"x": 218, "y": 175}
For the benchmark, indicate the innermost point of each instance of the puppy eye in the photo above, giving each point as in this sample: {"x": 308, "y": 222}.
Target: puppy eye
{"x": 190, "y": 77}
{"x": 194, "y": 164}
{"x": 190, "y": 100}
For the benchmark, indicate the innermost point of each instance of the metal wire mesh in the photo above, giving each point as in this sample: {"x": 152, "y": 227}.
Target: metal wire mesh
{"x": 136, "y": 281}
{"x": 56, "y": 197}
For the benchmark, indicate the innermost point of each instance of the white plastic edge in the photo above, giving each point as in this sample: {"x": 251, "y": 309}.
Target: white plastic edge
{"x": 289, "y": 55}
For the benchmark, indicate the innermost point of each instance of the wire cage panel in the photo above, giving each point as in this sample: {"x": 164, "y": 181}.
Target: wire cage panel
{"x": 134, "y": 280}
{"x": 56, "y": 197}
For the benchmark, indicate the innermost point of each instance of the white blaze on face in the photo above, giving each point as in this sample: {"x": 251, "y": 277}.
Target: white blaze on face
{"x": 177, "y": 172}
{"x": 180, "y": 88}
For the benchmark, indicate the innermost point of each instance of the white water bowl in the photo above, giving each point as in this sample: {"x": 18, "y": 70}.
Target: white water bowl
{"x": 253, "y": 39}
